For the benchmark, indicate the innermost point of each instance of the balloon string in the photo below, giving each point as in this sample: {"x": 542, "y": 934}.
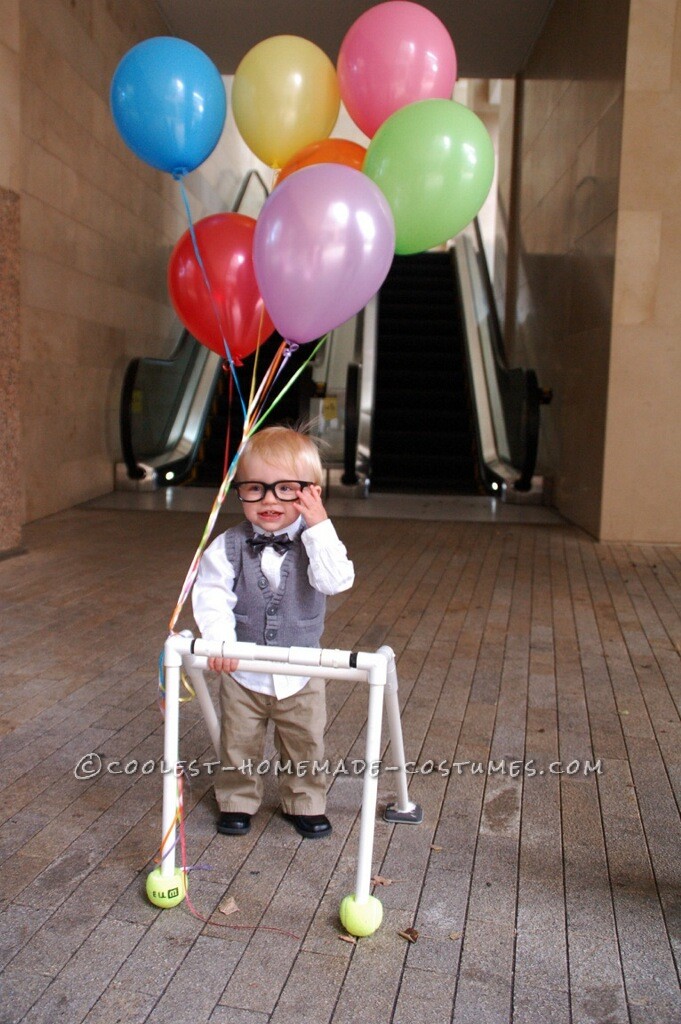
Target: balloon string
{"x": 193, "y": 568}
{"x": 180, "y": 818}
{"x": 228, "y": 437}
{"x": 289, "y": 348}
{"x": 206, "y": 281}
{"x": 292, "y": 381}
{"x": 251, "y": 395}
{"x": 253, "y": 420}
{"x": 256, "y": 405}
{"x": 257, "y": 353}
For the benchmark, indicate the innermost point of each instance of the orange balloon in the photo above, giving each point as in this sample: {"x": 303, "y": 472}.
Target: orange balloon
{"x": 327, "y": 151}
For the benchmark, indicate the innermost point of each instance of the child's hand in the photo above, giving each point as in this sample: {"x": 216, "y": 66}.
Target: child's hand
{"x": 223, "y": 664}
{"x": 309, "y": 505}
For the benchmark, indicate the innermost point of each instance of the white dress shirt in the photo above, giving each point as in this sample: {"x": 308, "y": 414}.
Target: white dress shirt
{"x": 213, "y": 598}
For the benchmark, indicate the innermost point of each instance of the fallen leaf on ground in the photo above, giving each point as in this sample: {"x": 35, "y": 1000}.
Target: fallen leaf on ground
{"x": 437, "y": 849}
{"x": 228, "y": 906}
{"x": 348, "y": 938}
{"x": 380, "y": 880}
{"x": 455, "y": 935}
{"x": 410, "y": 934}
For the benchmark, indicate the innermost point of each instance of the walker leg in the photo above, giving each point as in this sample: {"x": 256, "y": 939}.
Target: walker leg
{"x": 369, "y": 793}
{"x": 170, "y": 752}
{"x": 194, "y": 667}
{"x": 404, "y": 810}
{"x": 166, "y": 885}
{"x": 360, "y": 912}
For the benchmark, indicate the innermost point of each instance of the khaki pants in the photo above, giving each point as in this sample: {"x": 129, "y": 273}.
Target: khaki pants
{"x": 299, "y": 723}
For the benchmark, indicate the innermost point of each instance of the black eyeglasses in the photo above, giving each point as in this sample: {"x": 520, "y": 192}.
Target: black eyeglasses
{"x": 255, "y": 490}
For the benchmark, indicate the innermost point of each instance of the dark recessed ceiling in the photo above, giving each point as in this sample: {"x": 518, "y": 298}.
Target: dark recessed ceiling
{"x": 492, "y": 38}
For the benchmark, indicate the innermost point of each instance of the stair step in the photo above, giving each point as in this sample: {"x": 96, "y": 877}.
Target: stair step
{"x": 444, "y": 443}
{"x": 424, "y": 326}
{"x": 421, "y": 435}
{"x": 419, "y": 470}
{"x": 437, "y": 384}
{"x": 409, "y": 343}
{"x": 400, "y": 485}
{"x": 452, "y": 420}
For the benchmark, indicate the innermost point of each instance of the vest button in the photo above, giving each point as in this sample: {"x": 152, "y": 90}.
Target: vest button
{"x": 270, "y": 634}
{"x": 271, "y": 610}
{"x": 262, "y": 582}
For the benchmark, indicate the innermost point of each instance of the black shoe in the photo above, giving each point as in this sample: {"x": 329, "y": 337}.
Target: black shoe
{"x": 234, "y": 823}
{"x": 310, "y": 826}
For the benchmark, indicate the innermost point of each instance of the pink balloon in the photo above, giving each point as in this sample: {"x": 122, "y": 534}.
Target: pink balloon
{"x": 323, "y": 245}
{"x": 395, "y": 53}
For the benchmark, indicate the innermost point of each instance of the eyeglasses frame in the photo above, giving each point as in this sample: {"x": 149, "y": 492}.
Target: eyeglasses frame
{"x": 269, "y": 487}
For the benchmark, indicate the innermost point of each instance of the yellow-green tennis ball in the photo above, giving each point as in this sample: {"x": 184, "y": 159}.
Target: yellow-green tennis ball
{"x": 361, "y": 918}
{"x": 166, "y": 890}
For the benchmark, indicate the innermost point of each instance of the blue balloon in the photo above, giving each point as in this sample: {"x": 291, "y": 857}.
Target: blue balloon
{"x": 169, "y": 104}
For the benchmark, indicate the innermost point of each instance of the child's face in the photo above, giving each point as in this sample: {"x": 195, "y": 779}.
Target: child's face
{"x": 269, "y": 514}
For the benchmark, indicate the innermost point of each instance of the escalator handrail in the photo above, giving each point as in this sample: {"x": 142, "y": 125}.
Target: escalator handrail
{"x": 351, "y": 433}
{"x": 516, "y": 471}
{"x": 533, "y": 395}
{"x": 250, "y": 176}
{"x": 134, "y": 468}
{"x": 483, "y": 267}
{"x": 495, "y": 468}
{"x": 135, "y": 471}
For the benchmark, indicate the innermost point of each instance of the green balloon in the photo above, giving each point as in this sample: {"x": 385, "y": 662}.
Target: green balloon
{"x": 434, "y": 162}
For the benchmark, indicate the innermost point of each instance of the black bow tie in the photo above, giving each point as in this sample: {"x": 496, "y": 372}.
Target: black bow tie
{"x": 280, "y": 542}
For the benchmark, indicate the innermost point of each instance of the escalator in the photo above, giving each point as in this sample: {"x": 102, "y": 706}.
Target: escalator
{"x": 182, "y": 416}
{"x": 163, "y": 410}
{"x": 430, "y": 404}
{"x": 438, "y": 408}
{"x": 423, "y": 437}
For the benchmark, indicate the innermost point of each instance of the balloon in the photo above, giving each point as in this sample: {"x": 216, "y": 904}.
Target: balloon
{"x": 168, "y": 103}
{"x": 328, "y": 151}
{"x": 284, "y": 96}
{"x": 225, "y": 244}
{"x": 395, "y": 53}
{"x": 434, "y": 162}
{"x": 323, "y": 246}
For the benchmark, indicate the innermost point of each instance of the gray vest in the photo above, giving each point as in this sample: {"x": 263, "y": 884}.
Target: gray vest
{"x": 291, "y": 617}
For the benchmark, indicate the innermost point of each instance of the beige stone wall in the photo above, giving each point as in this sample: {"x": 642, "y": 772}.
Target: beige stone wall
{"x": 11, "y": 482}
{"x": 503, "y": 270}
{"x": 642, "y": 479}
{"x": 97, "y": 228}
{"x": 565, "y": 250}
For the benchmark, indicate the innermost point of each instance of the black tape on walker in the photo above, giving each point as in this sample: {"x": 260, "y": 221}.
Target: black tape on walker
{"x": 353, "y": 659}
{"x": 191, "y": 646}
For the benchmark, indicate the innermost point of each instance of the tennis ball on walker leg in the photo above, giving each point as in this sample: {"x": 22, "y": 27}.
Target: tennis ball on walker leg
{"x": 166, "y": 890}
{"x": 361, "y": 918}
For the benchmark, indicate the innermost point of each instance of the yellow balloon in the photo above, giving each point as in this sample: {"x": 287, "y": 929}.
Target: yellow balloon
{"x": 285, "y": 95}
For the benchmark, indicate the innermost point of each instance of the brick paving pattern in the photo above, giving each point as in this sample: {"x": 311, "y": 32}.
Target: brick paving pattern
{"x": 539, "y": 898}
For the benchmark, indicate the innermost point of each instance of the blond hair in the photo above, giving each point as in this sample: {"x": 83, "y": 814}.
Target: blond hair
{"x": 296, "y": 452}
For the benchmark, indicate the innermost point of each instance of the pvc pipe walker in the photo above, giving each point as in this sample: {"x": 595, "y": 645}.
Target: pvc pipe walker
{"x": 360, "y": 913}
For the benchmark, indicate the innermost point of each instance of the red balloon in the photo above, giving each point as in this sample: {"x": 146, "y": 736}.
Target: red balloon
{"x": 234, "y": 306}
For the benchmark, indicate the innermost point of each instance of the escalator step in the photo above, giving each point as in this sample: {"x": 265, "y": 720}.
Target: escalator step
{"x": 421, "y": 436}
{"x": 422, "y": 418}
{"x": 405, "y": 381}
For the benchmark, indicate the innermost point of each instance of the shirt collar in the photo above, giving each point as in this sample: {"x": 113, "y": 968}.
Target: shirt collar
{"x": 292, "y": 531}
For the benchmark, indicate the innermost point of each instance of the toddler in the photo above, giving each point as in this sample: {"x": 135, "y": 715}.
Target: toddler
{"x": 265, "y": 581}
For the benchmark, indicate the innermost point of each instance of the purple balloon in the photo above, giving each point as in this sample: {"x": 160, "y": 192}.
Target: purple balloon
{"x": 323, "y": 245}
